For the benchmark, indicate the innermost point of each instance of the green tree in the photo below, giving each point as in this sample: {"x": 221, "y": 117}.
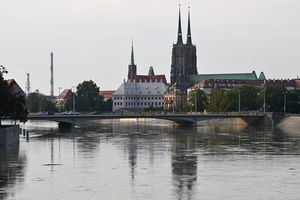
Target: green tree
{"x": 33, "y": 101}
{"x": 249, "y": 97}
{"x": 107, "y": 105}
{"x": 11, "y": 105}
{"x": 275, "y": 98}
{"x": 197, "y": 100}
{"x": 293, "y": 101}
{"x": 87, "y": 97}
{"x": 47, "y": 105}
{"x": 17, "y": 108}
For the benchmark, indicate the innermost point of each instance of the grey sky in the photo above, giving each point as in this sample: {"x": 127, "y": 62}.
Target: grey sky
{"x": 91, "y": 38}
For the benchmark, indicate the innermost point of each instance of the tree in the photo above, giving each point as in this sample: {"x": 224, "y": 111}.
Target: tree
{"x": 216, "y": 97}
{"x": 249, "y": 97}
{"x": 33, "y": 101}
{"x": 197, "y": 100}
{"x": 18, "y": 109}
{"x": 293, "y": 101}
{"x": 275, "y": 98}
{"x": 11, "y": 105}
{"x": 47, "y": 105}
{"x": 87, "y": 97}
{"x": 4, "y": 94}
{"x": 107, "y": 105}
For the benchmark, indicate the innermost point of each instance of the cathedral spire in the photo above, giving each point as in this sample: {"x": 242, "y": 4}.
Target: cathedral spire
{"x": 132, "y": 55}
{"x": 189, "y": 34}
{"x": 179, "y": 36}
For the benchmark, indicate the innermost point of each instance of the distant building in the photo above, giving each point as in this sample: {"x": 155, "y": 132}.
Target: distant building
{"x": 15, "y": 88}
{"x": 176, "y": 96}
{"x": 228, "y": 84}
{"x": 140, "y": 91}
{"x": 228, "y": 76}
{"x": 184, "y": 56}
{"x": 137, "y": 96}
{"x": 151, "y": 77}
{"x": 65, "y": 95}
{"x": 107, "y": 94}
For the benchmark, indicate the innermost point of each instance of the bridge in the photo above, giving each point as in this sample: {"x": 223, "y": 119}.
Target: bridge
{"x": 70, "y": 120}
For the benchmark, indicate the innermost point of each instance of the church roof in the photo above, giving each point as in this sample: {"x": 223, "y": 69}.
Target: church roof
{"x": 151, "y": 88}
{"x": 232, "y": 76}
{"x": 66, "y": 94}
{"x": 146, "y": 78}
{"x": 262, "y": 76}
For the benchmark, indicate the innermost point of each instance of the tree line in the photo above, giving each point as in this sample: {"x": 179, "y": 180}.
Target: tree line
{"x": 85, "y": 99}
{"x": 245, "y": 98}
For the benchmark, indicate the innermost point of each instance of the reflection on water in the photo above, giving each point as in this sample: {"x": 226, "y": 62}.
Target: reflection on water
{"x": 12, "y": 166}
{"x": 152, "y": 160}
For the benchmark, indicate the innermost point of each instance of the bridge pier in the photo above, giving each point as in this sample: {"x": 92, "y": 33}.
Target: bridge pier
{"x": 65, "y": 125}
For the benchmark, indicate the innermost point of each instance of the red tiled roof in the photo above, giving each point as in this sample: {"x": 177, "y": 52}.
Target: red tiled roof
{"x": 66, "y": 94}
{"x": 107, "y": 94}
{"x": 15, "y": 88}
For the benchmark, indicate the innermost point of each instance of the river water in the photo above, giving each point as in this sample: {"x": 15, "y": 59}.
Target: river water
{"x": 151, "y": 160}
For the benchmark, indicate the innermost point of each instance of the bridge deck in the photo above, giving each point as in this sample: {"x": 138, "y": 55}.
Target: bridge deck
{"x": 73, "y": 119}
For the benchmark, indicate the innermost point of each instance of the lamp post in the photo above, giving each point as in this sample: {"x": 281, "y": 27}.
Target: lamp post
{"x": 264, "y": 100}
{"x": 59, "y": 105}
{"x": 196, "y": 101}
{"x": 239, "y": 100}
{"x": 284, "y": 102}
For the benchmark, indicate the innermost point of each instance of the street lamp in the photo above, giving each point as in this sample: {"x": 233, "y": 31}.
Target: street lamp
{"x": 239, "y": 100}
{"x": 284, "y": 102}
{"x": 59, "y": 105}
{"x": 264, "y": 100}
{"x": 196, "y": 101}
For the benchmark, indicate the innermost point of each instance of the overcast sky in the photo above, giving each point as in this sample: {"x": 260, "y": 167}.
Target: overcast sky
{"x": 91, "y": 39}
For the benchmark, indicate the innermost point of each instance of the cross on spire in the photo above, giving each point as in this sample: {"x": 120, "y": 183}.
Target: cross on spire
{"x": 132, "y": 54}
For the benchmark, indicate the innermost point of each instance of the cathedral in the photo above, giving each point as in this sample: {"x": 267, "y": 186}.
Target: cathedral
{"x": 184, "y": 56}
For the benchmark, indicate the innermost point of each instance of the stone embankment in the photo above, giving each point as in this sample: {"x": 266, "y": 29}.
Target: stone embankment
{"x": 9, "y": 135}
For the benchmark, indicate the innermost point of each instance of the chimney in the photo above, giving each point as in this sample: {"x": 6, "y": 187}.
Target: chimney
{"x": 51, "y": 79}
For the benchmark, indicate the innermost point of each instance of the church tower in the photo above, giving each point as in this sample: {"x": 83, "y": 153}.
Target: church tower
{"x": 184, "y": 56}
{"x": 131, "y": 68}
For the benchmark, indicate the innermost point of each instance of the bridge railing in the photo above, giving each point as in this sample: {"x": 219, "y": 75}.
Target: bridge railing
{"x": 292, "y": 115}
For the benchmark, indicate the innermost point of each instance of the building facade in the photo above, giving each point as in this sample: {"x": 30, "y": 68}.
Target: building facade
{"x": 136, "y": 96}
{"x": 140, "y": 91}
{"x": 228, "y": 84}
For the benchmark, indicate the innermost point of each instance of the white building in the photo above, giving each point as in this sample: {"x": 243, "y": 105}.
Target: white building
{"x": 139, "y": 95}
